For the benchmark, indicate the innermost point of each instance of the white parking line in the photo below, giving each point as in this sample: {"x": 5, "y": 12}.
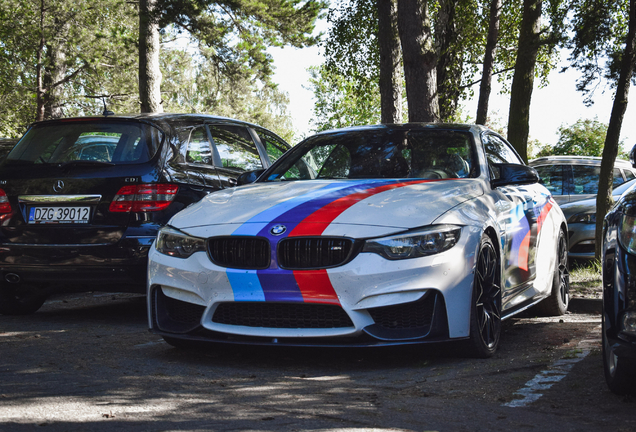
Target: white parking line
{"x": 534, "y": 388}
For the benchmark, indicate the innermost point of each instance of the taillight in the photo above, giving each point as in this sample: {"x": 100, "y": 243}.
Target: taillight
{"x": 5, "y": 206}
{"x": 143, "y": 198}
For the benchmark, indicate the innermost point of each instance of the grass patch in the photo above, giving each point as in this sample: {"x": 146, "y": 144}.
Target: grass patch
{"x": 586, "y": 279}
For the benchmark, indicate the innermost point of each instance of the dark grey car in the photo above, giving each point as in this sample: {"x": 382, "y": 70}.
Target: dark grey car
{"x": 574, "y": 178}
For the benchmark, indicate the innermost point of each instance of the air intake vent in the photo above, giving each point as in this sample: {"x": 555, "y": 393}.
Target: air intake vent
{"x": 297, "y": 253}
{"x": 239, "y": 252}
{"x": 418, "y": 314}
{"x": 172, "y": 315}
{"x": 282, "y": 315}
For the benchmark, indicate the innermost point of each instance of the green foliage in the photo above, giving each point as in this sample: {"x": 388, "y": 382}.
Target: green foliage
{"x": 32, "y": 31}
{"x": 339, "y": 103}
{"x": 193, "y": 83}
{"x": 351, "y": 50}
{"x": 239, "y": 31}
{"x": 228, "y": 75}
{"x": 351, "y": 47}
{"x": 583, "y": 138}
{"x": 600, "y": 30}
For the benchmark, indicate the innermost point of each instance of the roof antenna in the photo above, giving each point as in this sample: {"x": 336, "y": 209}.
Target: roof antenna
{"x": 106, "y": 112}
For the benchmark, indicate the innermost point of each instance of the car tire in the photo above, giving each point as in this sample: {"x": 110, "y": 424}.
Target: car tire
{"x": 557, "y": 303}
{"x": 485, "y": 316}
{"x": 24, "y": 300}
{"x": 620, "y": 373}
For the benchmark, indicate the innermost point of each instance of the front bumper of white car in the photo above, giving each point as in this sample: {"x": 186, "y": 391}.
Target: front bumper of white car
{"x": 375, "y": 301}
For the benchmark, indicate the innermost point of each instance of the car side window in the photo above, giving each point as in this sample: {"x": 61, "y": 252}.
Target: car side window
{"x": 236, "y": 147}
{"x": 552, "y": 178}
{"x": 585, "y": 179}
{"x": 273, "y": 146}
{"x": 628, "y": 175}
{"x": 199, "y": 150}
{"x": 617, "y": 178}
{"x": 498, "y": 151}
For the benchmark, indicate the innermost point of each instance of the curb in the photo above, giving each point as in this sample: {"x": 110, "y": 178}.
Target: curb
{"x": 586, "y": 306}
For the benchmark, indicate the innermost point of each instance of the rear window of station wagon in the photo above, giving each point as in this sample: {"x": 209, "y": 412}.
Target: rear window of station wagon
{"x": 87, "y": 141}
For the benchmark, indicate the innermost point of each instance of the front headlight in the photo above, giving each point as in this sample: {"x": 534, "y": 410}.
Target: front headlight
{"x": 415, "y": 244}
{"x": 586, "y": 218}
{"x": 627, "y": 233}
{"x": 628, "y": 323}
{"x": 178, "y": 244}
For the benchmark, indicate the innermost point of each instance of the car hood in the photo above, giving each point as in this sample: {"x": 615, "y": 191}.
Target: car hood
{"x": 582, "y": 206}
{"x": 319, "y": 204}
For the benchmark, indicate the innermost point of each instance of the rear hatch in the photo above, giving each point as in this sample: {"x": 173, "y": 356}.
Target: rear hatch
{"x": 78, "y": 181}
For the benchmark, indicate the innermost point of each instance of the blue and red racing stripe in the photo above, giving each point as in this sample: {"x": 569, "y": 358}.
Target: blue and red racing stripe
{"x": 307, "y": 215}
{"x": 520, "y": 250}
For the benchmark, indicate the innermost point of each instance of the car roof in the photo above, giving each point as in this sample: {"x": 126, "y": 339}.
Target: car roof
{"x": 398, "y": 126}
{"x": 156, "y": 117}
{"x": 576, "y": 160}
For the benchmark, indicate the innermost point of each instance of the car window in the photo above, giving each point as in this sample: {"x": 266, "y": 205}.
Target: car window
{"x": 499, "y": 151}
{"x": 236, "y": 147}
{"x": 273, "y": 146}
{"x": 622, "y": 188}
{"x": 430, "y": 154}
{"x": 585, "y": 179}
{"x": 628, "y": 175}
{"x": 552, "y": 178}
{"x": 199, "y": 149}
{"x": 617, "y": 178}
{"x": 95, "y": 141}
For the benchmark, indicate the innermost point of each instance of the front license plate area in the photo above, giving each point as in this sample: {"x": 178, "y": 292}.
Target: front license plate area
{"x": 59, "y": 215}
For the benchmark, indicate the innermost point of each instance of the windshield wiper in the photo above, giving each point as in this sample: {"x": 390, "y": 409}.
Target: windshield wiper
{"x": 84, "y": 163}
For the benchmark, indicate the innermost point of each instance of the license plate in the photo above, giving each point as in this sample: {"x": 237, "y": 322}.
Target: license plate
{"x": 40, "y": 215}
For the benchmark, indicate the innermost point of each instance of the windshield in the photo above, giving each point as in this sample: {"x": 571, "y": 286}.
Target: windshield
{"x": 67, "y": 142}
{"x": 380, "y": 153}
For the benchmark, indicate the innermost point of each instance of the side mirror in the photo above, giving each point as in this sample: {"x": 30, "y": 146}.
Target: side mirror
{"x": 513, "y": 174}
{"x": 632, "y": 156}
{"x": 248, "y": 177}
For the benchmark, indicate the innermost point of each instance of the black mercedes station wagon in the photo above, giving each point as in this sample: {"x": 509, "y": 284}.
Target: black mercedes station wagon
{"x": 82, "y": 199}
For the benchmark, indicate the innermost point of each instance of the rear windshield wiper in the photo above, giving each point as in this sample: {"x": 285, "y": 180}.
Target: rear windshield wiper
{"x": 84, "y": 163}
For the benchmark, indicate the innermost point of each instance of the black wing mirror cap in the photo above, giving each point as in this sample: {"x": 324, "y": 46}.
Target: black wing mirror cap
{"x": 514, "y": 174}
{"x": 249, "y": 177}
{"x": 632, "y": 156}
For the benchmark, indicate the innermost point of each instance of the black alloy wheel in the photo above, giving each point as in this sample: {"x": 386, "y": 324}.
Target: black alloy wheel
{"x": 485, "y": 320}
{"x": 557, "y": 303}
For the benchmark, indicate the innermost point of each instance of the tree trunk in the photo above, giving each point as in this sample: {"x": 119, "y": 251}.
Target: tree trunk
{"x": 149, "y": 72}
{"x": 523, "y": 79}
{"x": 55, "y": 74}
{"x": 489, "y": 59}
{"x": 420, "y": 60}
{"x": 39, "y": 69}
{"x": 449, "y": 64}
{"x": 604, "y": 198}
{"x": 389, "y": 44}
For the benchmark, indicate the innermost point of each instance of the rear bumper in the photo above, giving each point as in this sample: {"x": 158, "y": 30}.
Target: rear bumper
{"x": 120, "y": 267}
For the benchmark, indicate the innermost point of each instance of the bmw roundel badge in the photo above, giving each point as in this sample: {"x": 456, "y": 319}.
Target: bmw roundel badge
{"x": 278, "y": 230}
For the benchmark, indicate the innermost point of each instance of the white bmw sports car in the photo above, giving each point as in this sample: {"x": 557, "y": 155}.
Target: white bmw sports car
{"x": 378, "y": 235}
